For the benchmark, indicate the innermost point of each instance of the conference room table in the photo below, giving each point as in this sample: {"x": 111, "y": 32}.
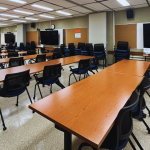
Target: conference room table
{"x": 20, "y": 53}
{"x": 47, "y": 48}
{"x": 6, "y": 60}
{"x": 5, "y": 51}
{"x": 88, "y": 108}
{"x": 38, "y": 67}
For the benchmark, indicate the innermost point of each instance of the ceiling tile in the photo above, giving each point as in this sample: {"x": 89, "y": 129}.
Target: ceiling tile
{"x": 137, "y": 2}
{"x": 81, "y": 9}
{"x": 96, "y": 6}
{"x": 83, "y": 1}
{"x": 139, "y": 6}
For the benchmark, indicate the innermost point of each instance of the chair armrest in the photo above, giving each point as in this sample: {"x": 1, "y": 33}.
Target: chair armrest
{"x": 71, "y": 67}
{"x": 36, "y": 76}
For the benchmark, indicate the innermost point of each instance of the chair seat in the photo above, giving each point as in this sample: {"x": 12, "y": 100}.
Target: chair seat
{"x": 122, "y": 51}
{"x": 134, "y": 111}
{"x": 67, "y": 50}
{"x": 77, "y": 49}
{"x": 48, "y": 81}
{"x": 84, "y": 51}
{"x": 98, "y": 52}
{"x": 12, "y": 94}
{"x": 93, "y": 67}
{"x": 79, "y": 71}
{"x": 122, "y": 144}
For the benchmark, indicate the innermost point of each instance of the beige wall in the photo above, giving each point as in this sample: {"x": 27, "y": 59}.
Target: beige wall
{"x": 9, "y": 29}
{"x": 140, "y": 15}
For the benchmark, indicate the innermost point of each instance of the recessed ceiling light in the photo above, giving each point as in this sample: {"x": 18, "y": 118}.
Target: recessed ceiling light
{"x": 61, "y": 12}
{"x": 9, "y": 15}
{"x": 42, "y": 7}
{"x": 123, "y": 2}
{"x": 24, "y": 12}
{"x": 19, "y": 20}
{"x": 3, "y": 19}
{"x": 46, "y": 16}
{"x": 18, "y": 1}
{"x": 3, "y": 24}
{"x": 3, "y": 8}
{"x": 31, "y": 19}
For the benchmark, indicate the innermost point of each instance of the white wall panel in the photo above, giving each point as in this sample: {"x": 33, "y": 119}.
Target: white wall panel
{"x": 139, "y": 35}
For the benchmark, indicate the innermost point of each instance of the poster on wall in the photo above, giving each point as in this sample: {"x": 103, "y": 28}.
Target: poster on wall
{"x": 77, "y": 35}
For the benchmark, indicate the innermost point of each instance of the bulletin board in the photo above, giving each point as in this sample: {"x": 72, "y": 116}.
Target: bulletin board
{"x": 126, "y": 33}
{"x": 70, "y": 36}
{"x": 32, "y": 36}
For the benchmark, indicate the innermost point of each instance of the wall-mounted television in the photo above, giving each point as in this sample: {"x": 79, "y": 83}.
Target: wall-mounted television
{"x": 9, "y": 37}
{"x": 49, "y": 37}
{"x": 146, "y": 35}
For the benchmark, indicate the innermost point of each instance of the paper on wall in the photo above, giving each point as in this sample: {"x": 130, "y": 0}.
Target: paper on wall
{"x": 146, "y": 50}
{"x": 77, "y": 35}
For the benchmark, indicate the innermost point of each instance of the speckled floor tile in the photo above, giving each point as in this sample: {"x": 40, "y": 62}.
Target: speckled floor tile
{"x": 30, "y": 131}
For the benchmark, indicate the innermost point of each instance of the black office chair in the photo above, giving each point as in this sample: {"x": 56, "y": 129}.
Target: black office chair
{"x": 137, "y": 113}
{"x": 10, "y": 46}
{"x": 118, "y": 137}
{"x": 100, "y": 52}
{"x": 22, "y": 47}
{"x": 15, "y": 84}
{"x": 11, "y": 50}
{"x": 12, "y": 54}
{"x": 51, "y": 75}
{"x": 14, "y": 62}
{"x": 62, "y": 48}
{"x": 81, "y": 46}
{"x": 94, "y": 64}
{"x": 122, "y": 51}
{"x": 28, "y": 46}
{"x": 83, "y": 68}
{"x": 31, "y": 52}
{"x": 56, "y": 55}
{"x": 70, "y": 51}
{"x": 88, "y": 51}
{"x": 43, "y": 50}
{"x": 33, "y": 46}
{"x": 40, "y": 58}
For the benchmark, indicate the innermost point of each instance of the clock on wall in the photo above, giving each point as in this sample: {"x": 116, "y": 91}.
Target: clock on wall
{"x": 53, "y": 26}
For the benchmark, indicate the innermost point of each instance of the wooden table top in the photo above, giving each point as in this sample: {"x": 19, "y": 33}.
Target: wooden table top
{"x": 89, "y": 108}
{"x": 146, "y": 55}
{"x": 47, "y": 48}
{"x": 6, "y": 54}
{"x": 4, "y": 51}
{"x": 6, "y": 60}
{"x": 131, "y": 67}
{"x": 38, "y": 67}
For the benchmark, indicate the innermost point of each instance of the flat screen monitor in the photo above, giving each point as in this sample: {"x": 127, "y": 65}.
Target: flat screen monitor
{"x": 146, "y": 35}
{"x": 9, "y": 37}
{"x": 49, "y": 37}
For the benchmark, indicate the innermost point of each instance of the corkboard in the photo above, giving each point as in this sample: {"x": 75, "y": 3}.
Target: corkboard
{"x": 126, "y": 33}
{"x": 32, "y": 36}
{"x": 70, "y": 36}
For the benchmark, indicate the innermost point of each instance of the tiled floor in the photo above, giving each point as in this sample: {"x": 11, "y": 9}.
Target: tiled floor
{"x": 30, "y": 131}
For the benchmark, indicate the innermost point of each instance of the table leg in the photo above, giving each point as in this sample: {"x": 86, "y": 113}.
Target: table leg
{"x": 145, "y": 58}
{"x": 67, "y": 141}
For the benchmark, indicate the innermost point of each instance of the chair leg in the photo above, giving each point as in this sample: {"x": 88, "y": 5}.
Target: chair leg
{"x": 88, "y": 74}
{"x": 60, "y": 84}
{"x": 148, "y": 94}
{"x": 29, "y": 95}
{"x": 75, "y": 77}
{"x": 146, "y": 125}
{"x": 84, "y": 76}
{"x": 34, "y": 91}
{"x": 39, "y": 90}
{"x": 17, "y": 100}
{"x": 148, "y": 110}
{"x": 103, "y": 63}
{"x": 137, "y": 142}
{"x": 4, "y": 127}
{"x": 92, "y": 71}
{"x": 51, "y": 88}
{"x": 69, "y": 79}
{"x": 96, "y": 70}
{"x": 79, "y": 77}
{"x": 132, "y": 144}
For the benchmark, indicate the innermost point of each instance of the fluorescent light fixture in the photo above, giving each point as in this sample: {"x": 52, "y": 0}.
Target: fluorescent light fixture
{"x": 3, "y": 19}
{"x": 24, "y": 12}
{"x": 19, "y": 20}
{"x": 3, "y": 8}
{"x": 9, "y": 15}
{"x": 18, "y": 1}
{"x": 123, "y": 2}
{"x": 46, "y": 16}
{"x": 42, "y": 7}
{"x": 31, "y": 19}
{"x": 61, "y": 12}
{"x": 3, "y": 24}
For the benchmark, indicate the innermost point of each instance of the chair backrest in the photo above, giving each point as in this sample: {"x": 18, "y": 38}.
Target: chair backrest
{"x": 11, "y": 50}
{"x": 144, "y": 86}
{"x": 40, "y": 58}
{"x": 121, "y": 45}
{"x": 84, "y": 64}
{"x": 99, "y": 48}
{"x": 21, "y": 45}
{"x": 12, "y": 54}
{"x": 52, "y": 72}
{"x": 14, "y": 62}
{"x": 43, "y": 50}
{"x": 57, "y": 50}
{"x": 15, "y": 44}
{"x": 31, "y": 52}
{"x": 28, "y": 47}
{"x": 16, "y": 82}
{"x": 57, "y": 55}
{"x": 62, "y": 48}
{"x": 124, "y": 121}
{"x": 71, "y": 46}
{"x": 33, "y": 46}
{"x": 81, "y": 46}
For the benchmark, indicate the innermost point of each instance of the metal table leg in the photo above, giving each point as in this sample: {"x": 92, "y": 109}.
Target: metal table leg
{"x": 67, "y": 141}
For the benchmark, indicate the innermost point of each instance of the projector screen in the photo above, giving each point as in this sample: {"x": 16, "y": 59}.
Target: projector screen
{"x": 146, "y": 35}
{"x": 49, "y": 37}
{"x": 9, "y": 37}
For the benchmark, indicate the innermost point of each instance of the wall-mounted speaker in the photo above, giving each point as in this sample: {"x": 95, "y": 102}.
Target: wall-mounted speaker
{"x": 32, "y": 25}
{"x": 130, "y": 13}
